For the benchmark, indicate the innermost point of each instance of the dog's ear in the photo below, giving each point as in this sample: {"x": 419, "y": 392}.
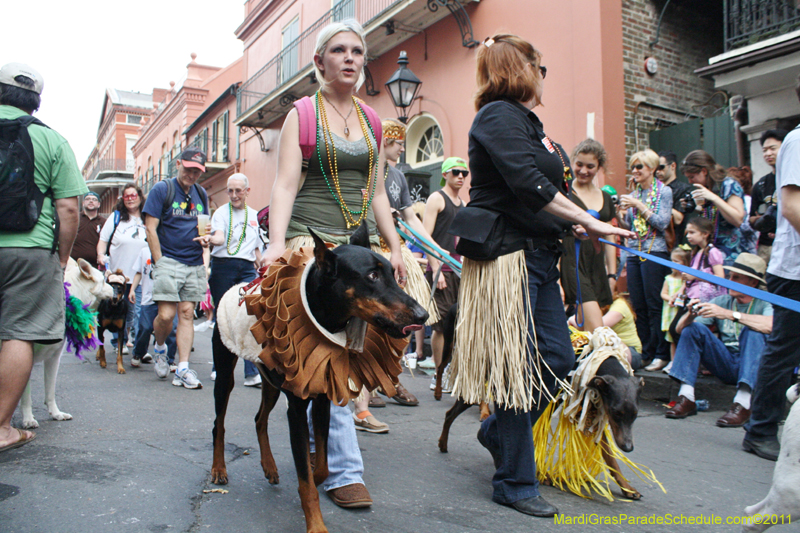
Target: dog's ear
{"x": 601, "y": 383}
{"x": 361, "y": 236}
{"x": 322, "y": 254}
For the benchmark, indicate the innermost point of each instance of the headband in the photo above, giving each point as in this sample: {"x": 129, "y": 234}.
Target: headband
{"x": 394, "y": 131}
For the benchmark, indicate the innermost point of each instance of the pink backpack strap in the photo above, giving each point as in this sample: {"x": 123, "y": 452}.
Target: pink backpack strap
{"x": 308, "y": 126}
{"x": 374, "y": 121}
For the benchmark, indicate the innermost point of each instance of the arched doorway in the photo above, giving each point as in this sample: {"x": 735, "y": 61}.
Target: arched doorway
{"x": 425, "y": 153}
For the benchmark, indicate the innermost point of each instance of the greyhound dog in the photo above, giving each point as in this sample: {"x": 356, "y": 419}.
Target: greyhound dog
{"x": 88, "y": 285}
{"x": 342, "y": 283}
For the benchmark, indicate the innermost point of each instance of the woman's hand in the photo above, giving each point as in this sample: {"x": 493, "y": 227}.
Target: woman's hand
{"x": 273, "y": 253}
{"x": 626, "y": 201}
{"x": 400, "y": 274}
{"x": 601, "y": 229}
{"x": 704, "y": 195}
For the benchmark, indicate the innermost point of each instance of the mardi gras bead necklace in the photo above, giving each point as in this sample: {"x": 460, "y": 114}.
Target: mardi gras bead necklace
{"x": 712, "y": 213}
{"x": 651, "y": 202}
{"x": 230, "y": 230}
{"x": 324, "y": 136}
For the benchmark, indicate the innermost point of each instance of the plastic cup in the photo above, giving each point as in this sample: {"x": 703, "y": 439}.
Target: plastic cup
{"x": 411, "y": 361}
{"x": 202, "y": 222}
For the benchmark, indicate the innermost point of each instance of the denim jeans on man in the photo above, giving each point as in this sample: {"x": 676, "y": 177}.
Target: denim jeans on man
{"x": 645, "y": 280}
{"x": 144, "y": 330}
{"x": 699, "y": 345}
{"x": 345, "y": 466}
{"x": 781, "y": 356}
{"x": 225, "y": 273}
{"x": 509, "y": 432}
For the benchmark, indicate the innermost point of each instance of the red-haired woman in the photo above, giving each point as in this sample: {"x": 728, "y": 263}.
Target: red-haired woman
{"x": 511, "y": 328}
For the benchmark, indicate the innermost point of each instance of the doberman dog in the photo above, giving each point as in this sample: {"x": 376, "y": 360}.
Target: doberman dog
{"x": 620, "y": 393}
{"x": 344, "y": 282}
{"x": 111, "y": 316}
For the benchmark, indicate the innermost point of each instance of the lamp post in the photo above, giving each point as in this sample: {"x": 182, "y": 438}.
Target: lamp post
{"x": 403, "y": 88}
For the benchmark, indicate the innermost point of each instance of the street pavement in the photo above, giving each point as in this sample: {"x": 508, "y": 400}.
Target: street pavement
{"x": 137, "y": 457}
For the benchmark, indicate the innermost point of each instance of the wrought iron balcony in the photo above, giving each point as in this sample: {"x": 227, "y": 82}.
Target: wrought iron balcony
{"x": 750, "y": 21}
{"x": 297, "y": 55}
{"x": 112, "y": 167}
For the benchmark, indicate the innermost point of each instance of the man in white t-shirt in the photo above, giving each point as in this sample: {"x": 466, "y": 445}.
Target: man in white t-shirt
{"x": 142, "y": 268}
{"x": 237, "y": 251}
{"x": 782, "y": 354}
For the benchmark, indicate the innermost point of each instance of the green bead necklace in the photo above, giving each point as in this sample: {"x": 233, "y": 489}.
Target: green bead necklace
{"x": 230, "y": 230}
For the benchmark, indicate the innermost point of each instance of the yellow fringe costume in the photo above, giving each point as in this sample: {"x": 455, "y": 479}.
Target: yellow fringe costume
{"x": 416, "y": 285}
{"x": 570, "y": 454}
{"x": 315, "y": 361}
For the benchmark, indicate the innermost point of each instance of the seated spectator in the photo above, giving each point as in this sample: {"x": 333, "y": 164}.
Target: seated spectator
{"x": 743, "y": 323}
{"x": 620, "y": 317}
{"x": 705, "y": 258}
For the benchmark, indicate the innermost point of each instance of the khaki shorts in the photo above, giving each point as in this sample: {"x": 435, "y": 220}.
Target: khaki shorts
{"x": 31, "y": 295}
{"x": 175, "y": 282}
{"x": 444, "y": 299}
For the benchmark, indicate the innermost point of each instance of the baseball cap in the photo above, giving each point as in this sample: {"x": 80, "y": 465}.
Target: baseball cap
{"x": 749, "y": 265}
{"x": 92, "y": 193}
{"x": 194, "y": 158}
{"x": 12, "y": 70}
{"x": 450, "y": 163}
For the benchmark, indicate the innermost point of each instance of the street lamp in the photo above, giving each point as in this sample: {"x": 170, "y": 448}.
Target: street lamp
{"x": 403, "y": 87}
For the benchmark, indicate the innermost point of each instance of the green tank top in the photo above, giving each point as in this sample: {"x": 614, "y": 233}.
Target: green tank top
{"x": 316, "y": 207}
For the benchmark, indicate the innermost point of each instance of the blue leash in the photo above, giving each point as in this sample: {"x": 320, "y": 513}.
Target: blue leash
{"x": 578, "y": 300}
{"x": 429, "y": 246}
{"x": 774, "y": 299}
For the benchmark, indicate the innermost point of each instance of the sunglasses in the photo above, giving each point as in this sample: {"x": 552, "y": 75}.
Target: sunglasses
{"x": 660, "y": 167}
{"x": 543, "y": 70}
{"x": 133, "y": 196}
{"x": 637, "y": 166}
{"x": 457, "y": 173}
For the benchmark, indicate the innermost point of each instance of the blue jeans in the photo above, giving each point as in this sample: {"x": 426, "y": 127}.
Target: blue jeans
{"x": 345, "y": 466}
{"x": 645, "y": 279}
{"x": 781, "y": 356}
{"x": 509, "y": 432}
{"x": 699, "y": 345}
{"x": 225, "y": 273}
{"x": 144, "y": 331}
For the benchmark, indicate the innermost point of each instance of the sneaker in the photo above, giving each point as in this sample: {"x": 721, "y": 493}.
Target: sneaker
{"x": 370, "y": 424}
{"x": 188, "y": 379}
{"x": 172, "y": 368}
{"x": 446, "y": 388}
{"x": 201, "y": 327}
{"x": 213, "y": 375}
{"x": 125, "y": 350}
{"x": 135, "y": 361}
{"x": 433, "y": 383}
{"x": 147, "y": 359}
{"x": 252, "y": 381}
{"x": 161, "y": 366}
{"x": 667, "y": 368}
{"x": 656, "y": 365}
{"x": 427, "y": 363}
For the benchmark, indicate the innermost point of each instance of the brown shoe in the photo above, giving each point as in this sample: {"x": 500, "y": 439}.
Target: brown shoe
{"x": 403, "y": 397}
{"x": 736, "y": 417}
{"x": 351, "y": 496}
{"x": 376, "y": 401}
{"x": 682, "y": 409}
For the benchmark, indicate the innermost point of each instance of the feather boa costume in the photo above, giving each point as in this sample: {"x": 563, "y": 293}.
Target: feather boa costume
{"x": 81, "y": 325}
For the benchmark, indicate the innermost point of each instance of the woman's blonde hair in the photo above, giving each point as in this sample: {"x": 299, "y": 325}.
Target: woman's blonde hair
{"x": 501, "y": 70}
{"x": 327, "y": 33}
{"x": 647, "y": 157}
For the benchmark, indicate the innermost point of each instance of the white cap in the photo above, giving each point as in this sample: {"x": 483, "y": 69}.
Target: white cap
{"x": 12, "y": 70}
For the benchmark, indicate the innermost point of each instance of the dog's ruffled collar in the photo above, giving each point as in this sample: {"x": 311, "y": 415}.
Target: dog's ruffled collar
{"x": 315, "y": 361}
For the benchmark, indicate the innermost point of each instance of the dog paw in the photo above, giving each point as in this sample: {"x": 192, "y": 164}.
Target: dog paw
{"x": 61, "y": 416}
{"x": 102, "y": 364}
{"x": 120, "y": 370}
{"x": 219, "y": 476}
{"x": 272, "y": 477}
{"x": 30, "y": 424}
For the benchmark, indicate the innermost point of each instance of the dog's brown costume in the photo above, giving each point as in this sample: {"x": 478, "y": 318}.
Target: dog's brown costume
{"x": 312, "y": 360}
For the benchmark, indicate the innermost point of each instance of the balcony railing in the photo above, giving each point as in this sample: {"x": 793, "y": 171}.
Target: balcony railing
{"x": 750, "y": 21}
{"x": 149, "y": 180}
{"x": 216, "y": 148}
{"x": 298, "y": 54}
{"x": 112, "y": 166}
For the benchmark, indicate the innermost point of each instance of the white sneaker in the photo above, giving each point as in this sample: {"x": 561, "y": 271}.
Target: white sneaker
{"x": 252, "y": 381}
{"x": 667, "y": 368}
{"x": 656, "y": 365}
{"x": 135, "y": 361}
{"x": 147, "y": 359}
{"x": 172, "y": 368}
{"x": 213, "y": 375}
{"x": 201, "y": 327}
{"x": 446, "y": 388}
{"x": 124, "y": 350}
{"x": 188, "y": 379}
{"x": 161, "y": 367}
{"x": 427, "y": 363}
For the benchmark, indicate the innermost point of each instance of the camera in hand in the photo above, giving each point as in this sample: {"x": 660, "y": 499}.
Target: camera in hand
{"x": 695, "y": 308}
{"x": 768, "y": 222}
{"x": 687, "y": 203}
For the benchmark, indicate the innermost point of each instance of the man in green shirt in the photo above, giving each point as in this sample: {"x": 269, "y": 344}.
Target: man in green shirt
{"x": 31, "y": 267}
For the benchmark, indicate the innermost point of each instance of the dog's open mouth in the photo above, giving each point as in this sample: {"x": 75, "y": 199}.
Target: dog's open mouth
{"x": 413, "y": 327}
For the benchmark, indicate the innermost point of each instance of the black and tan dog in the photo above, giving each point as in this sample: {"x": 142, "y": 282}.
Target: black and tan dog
{"x": 111, "y": 316}
{"x": 342, "y": 283}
